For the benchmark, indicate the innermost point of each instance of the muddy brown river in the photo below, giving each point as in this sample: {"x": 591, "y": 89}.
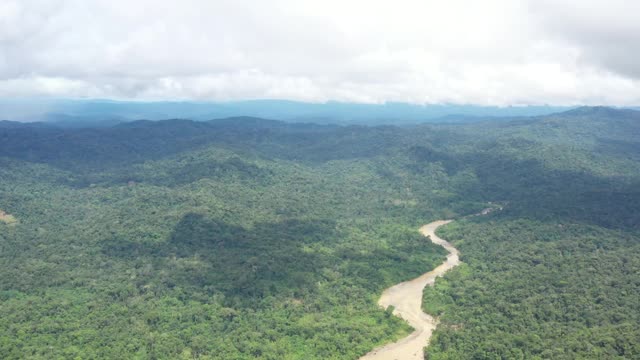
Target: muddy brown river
{"x": 406, "y": 297}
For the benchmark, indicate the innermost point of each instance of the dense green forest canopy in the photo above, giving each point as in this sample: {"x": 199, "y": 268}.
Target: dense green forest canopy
{"x": 248, "y": 238}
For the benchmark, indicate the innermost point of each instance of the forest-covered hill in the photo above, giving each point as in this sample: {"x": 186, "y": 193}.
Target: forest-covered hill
{"x": 248, "y": 238}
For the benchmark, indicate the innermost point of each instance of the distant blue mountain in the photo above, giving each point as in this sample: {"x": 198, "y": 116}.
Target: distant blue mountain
{"x": 75, "y": 112}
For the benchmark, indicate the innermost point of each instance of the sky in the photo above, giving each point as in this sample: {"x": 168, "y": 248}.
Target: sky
{"x": 490, "y": 52}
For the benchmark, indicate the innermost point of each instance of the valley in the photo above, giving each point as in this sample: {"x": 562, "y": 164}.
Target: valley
{"x": 319, "y": 180}
{"x": 406, "y": 301}
{"x": 248, "y": 238}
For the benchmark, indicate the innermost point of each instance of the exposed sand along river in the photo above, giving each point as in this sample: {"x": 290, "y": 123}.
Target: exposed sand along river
{"x": 406, "y": 297}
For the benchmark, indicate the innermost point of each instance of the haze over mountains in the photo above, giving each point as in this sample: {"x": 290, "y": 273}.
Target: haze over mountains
{"x": 108, "y": 112}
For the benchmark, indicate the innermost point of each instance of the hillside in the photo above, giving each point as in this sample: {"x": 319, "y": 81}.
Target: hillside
{"x": 248, "y": 238}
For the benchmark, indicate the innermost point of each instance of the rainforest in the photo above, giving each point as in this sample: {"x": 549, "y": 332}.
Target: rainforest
{"x": 248, "y": 238}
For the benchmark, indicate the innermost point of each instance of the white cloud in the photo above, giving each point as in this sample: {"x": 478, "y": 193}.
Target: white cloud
{"x": 483, "y": 52}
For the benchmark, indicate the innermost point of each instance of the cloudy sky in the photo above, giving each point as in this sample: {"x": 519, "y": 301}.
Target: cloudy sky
{"x": 490, "y": 52}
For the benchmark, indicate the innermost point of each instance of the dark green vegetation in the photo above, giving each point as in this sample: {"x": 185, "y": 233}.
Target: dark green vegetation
{"x": 249, "y": 238}
{"x": 557, "y": 274}
{"x": 539, "y": 290}
{"x": 237, "y": 239}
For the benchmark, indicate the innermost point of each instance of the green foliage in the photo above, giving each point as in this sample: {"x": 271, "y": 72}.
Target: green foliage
{"x": 538, "y": 290}
{"x": 207, "y": 253}
{"x": 260, "y": 239}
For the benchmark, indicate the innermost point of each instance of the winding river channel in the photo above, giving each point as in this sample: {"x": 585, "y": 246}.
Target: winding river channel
{"x": 406, "y": 297}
